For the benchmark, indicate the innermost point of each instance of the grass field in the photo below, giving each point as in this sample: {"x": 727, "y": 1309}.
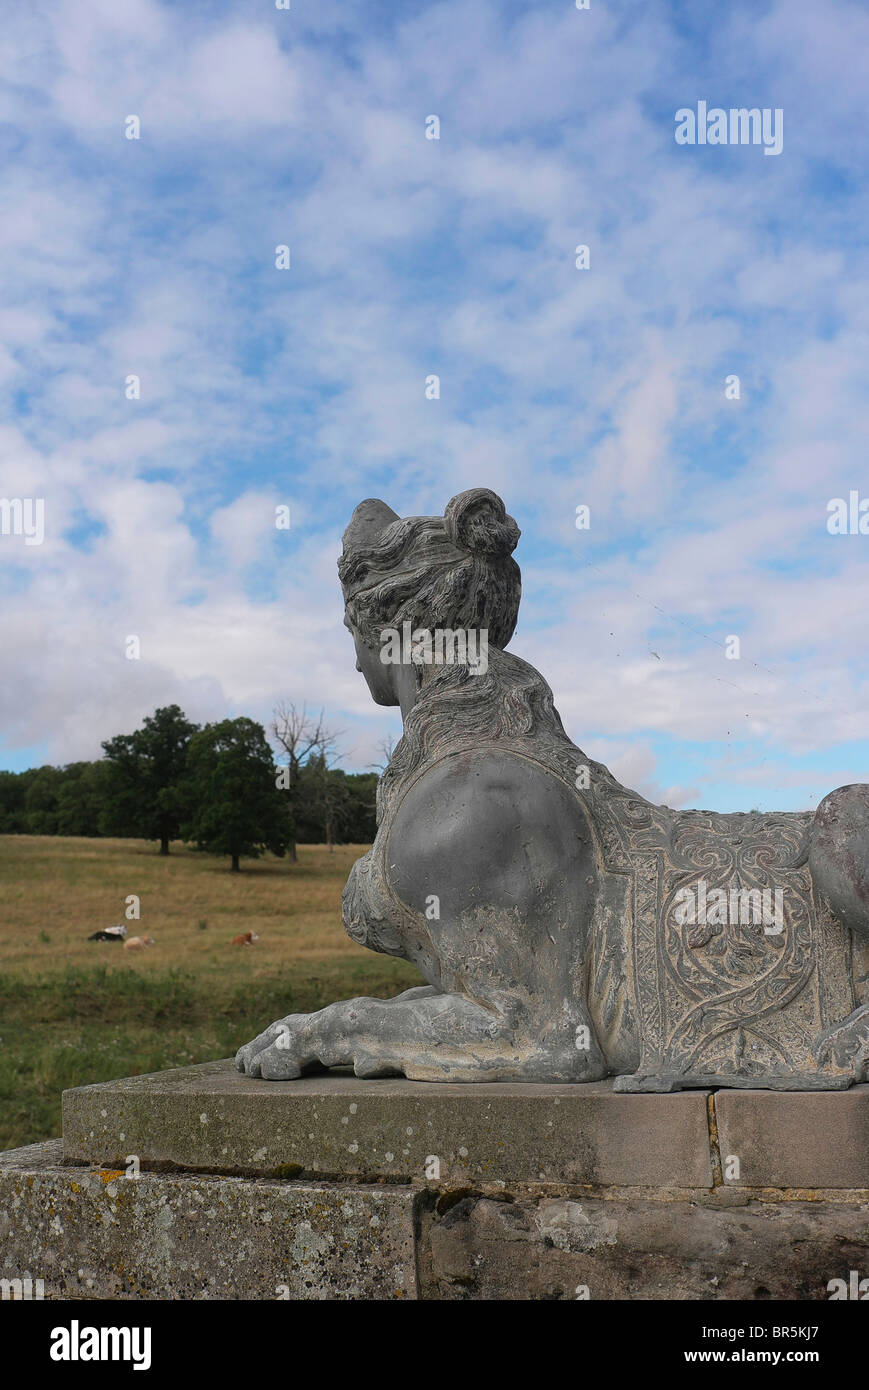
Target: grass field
{"x": 74, "y": 1011}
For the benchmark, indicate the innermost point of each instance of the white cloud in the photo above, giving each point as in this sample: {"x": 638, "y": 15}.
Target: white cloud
{"x": 456, "y": 257}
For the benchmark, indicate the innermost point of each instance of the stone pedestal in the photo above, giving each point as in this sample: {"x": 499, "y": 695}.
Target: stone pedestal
{"x": 333, "y": 1187}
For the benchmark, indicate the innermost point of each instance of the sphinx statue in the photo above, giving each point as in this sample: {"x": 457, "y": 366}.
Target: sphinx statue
{"x": 568, "y": 929}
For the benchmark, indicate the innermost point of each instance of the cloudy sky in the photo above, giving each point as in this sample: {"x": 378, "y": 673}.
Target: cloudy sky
{"x": 411, "y": 257}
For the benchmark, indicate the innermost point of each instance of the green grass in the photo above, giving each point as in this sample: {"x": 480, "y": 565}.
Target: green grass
{"x": 74, "y": 1012}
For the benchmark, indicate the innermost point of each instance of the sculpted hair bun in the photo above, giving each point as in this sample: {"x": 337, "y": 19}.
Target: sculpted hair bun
{"x": 477, "y": 521}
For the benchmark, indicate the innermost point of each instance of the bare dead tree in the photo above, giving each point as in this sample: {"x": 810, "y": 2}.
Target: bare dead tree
{"x": 303, "y": 737}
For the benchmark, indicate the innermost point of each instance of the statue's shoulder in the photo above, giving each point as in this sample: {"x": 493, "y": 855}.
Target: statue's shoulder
{"x": 487, "y": 806}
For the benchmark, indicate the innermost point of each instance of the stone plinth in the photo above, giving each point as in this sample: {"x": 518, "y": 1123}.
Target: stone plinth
{"x": 334, "y": 1187}
{"x": 791, "y": 1139}
{"x": 210, "y": 1118}
{"x": 91, "y": 1233}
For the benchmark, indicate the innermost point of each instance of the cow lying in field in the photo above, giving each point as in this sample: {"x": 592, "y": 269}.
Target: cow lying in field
{"x": 117, "y": 933}
{"x": 138, "y": 943}
{"x": 247, "y": 939}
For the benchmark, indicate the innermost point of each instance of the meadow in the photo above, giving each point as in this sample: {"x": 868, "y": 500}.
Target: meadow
{"x": 74, "y": 1011}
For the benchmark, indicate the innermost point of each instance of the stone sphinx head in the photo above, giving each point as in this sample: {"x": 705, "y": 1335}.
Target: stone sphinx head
{"x": 432, "y": 573}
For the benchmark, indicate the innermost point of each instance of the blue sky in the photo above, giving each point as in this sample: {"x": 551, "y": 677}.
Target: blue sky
{"x": 559, "y": 386}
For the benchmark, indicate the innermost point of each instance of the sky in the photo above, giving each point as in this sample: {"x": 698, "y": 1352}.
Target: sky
{"x": 608, "y": 387}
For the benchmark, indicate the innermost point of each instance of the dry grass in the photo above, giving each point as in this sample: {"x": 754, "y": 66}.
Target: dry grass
{"x": 68, "y": 888}
{"x": 74, "y": 1011}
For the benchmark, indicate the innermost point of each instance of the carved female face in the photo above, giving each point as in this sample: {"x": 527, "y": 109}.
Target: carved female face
{"x": 378, "y": 677}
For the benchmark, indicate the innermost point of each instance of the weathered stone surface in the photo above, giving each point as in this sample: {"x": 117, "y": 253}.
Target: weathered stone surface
{"x": 210, "y": 1117}
{"x": 794, "y": 1139}
{"x": 98, "y": 1234}
{"x": 94, "y": 1233}
{"x": 636, "y": 1248}
{"x": 489, "y": 1191}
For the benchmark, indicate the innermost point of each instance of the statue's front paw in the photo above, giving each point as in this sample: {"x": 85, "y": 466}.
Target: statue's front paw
{"x": 275, "y": 1055}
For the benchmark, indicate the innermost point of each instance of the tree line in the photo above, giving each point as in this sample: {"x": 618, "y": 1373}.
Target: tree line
{"x": 219, "y": 787}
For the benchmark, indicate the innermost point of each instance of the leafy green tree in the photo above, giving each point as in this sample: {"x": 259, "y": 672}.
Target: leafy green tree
{"x": 360, "y": 819}
{"x": 13, "y": 818}
{"x": 40, "y": 799}
{"x": 349, "y": 799}
{"x": 308, "y": 809}
{"x": 81, "y": 799}
{"x": 146, "y": 793}
{"x": 235, "y": 808}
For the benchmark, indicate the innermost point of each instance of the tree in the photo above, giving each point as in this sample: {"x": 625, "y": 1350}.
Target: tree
{"x": 234, "y": 806}
{"x": 145, "y": 794}
{"x": 82, "y": 797}
{"x": 40, "y": 799}
{"x": 302, "y": 738}
{"x": 352, "y": 797}
{"x": 331, "y": 787}
{"x": 13, "y": 818}
{"x": 324, "y": 793}
{"x": 360, "y": 817}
